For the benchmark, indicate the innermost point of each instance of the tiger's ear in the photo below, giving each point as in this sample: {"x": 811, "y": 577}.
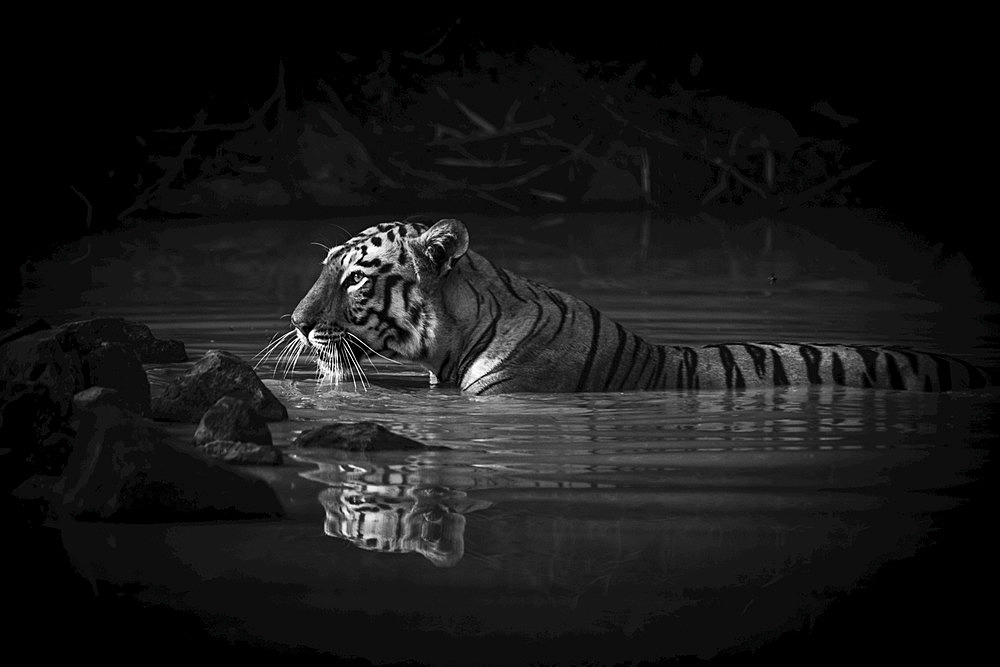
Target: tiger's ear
{"x": 442, "y": 245}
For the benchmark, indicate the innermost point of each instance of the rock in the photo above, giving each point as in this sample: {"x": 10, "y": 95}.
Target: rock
{"x": 215, "y": 375}
{"x": 359, "y": 437}
{"x": 150, "y": 348}
{"x": 85, "y": 335}
{"x": 232, "y": 418}
{"x": 117, "y": 366}
{"x": 245, "y": 453}
{"x": 123, "y": 468}
{"x": 31, "y": 327}
{"x": 94, "y": 397}
{"x": 40, "y": 358}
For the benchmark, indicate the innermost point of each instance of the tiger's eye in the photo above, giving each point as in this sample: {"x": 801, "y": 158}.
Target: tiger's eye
{"x": 356, "y": 278}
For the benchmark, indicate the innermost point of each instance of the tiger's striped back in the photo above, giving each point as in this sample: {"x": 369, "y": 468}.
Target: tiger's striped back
{"x": 418, "y": 293}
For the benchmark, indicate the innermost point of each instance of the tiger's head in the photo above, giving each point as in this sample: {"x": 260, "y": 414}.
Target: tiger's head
{"x": 380, "y": 292}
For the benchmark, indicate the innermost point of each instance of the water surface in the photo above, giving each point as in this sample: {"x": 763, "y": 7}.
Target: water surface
{"x": 567, "y": 528}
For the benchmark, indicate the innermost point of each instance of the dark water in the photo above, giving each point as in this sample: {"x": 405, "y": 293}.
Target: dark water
{"x": 575, "y": 528}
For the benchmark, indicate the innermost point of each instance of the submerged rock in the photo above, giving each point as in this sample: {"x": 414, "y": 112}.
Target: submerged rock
{"x": 215, "y": 375}
{"x": 152, "y": 349}
{"x": 232, "y": 418}
{"x": 123, "y": 468}
{"x": 94, "y": 397}
{"x": 244, "y": 453}
{"x": 358, "y": 437}
{"x": 24, "y": 329}
{"x": 85, "y": 335}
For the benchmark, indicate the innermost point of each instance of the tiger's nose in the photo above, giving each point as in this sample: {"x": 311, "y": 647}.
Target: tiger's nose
{"x": 302, "y": 324}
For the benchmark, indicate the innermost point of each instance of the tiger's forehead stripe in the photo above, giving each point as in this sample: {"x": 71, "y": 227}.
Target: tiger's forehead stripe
{"x": 379, "y": 236}
{"x": 334, "y": 252}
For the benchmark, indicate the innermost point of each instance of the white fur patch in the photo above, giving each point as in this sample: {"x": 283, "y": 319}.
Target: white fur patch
{"x": 479, "y": 368}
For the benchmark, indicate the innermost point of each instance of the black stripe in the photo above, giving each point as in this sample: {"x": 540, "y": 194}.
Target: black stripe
{"x": 734, "y": 376}
{"x": 895, "y": 378}
{"x": 870, "y": 359}
{"x": 976, "y": 378}
{"x": 475, "y": 292}
{"x": 390, "y": 282}
{"x": 407, "y": 288}
{"x": 631, "y": 365}
{"x": 622, "y": 339}
{"x": 482, "y": 391}
{"x": 531, "y": 288}
{"x": 837, "y": 369}
{"x": 562, "y": 314}
{"x": 442, "y": 374}
{"x": 483, "y": 342}
{"x": 779, "y": 377}
{"x": 911, "y": 357}
{"x": 691, "y": 365}
{"x": 644, "y": 366}
{"x": 505, "y": 279}
{"x": 661, "y": 356}
{"x": 759, "y": 356}
{"x": 525, "y": 344}
{"x": 927, "y": 383}
{"x": 811, "y": 356}
{"x": 585, "y": 373}
{"x": 943, "y": 372}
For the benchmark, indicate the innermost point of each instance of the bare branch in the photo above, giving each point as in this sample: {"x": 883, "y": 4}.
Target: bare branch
{"x": 423, "y": 56}
{"x": 359, "y": 148}
{"x": 477, "y": 163}
{"x": 485, "y": 125}
{"x": 90, "y": 209}
{"x": 176, "y": 164}
{"x": 816, "y": 190}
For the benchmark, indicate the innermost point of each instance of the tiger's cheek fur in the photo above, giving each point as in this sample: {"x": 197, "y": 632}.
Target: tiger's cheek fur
{"x": 394, "y": 317}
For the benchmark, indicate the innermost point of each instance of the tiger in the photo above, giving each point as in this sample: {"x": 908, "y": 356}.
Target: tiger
{"x": 413, "y": 290}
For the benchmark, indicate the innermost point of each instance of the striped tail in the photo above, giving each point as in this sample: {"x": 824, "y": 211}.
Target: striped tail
{"x": 739, "y": 365}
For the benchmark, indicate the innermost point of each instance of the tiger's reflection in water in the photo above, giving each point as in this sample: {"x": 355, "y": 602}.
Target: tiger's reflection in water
{"x": 394, "y": 509}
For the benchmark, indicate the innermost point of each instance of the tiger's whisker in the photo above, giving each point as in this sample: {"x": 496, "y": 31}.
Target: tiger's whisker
{"x": 295, "y": 360}
{"x": 269, "y": 348}
{"x": 356, "y": 365}
{"x": 366, "y": 346}
{"x": 284, "y": 356}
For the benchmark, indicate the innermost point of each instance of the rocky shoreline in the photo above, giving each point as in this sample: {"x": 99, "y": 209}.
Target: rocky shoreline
{"x": 81, "y": 436}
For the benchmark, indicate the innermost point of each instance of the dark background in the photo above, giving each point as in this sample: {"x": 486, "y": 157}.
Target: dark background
{"x": 915, "y": 83}
{"x": 80, "y": 95}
